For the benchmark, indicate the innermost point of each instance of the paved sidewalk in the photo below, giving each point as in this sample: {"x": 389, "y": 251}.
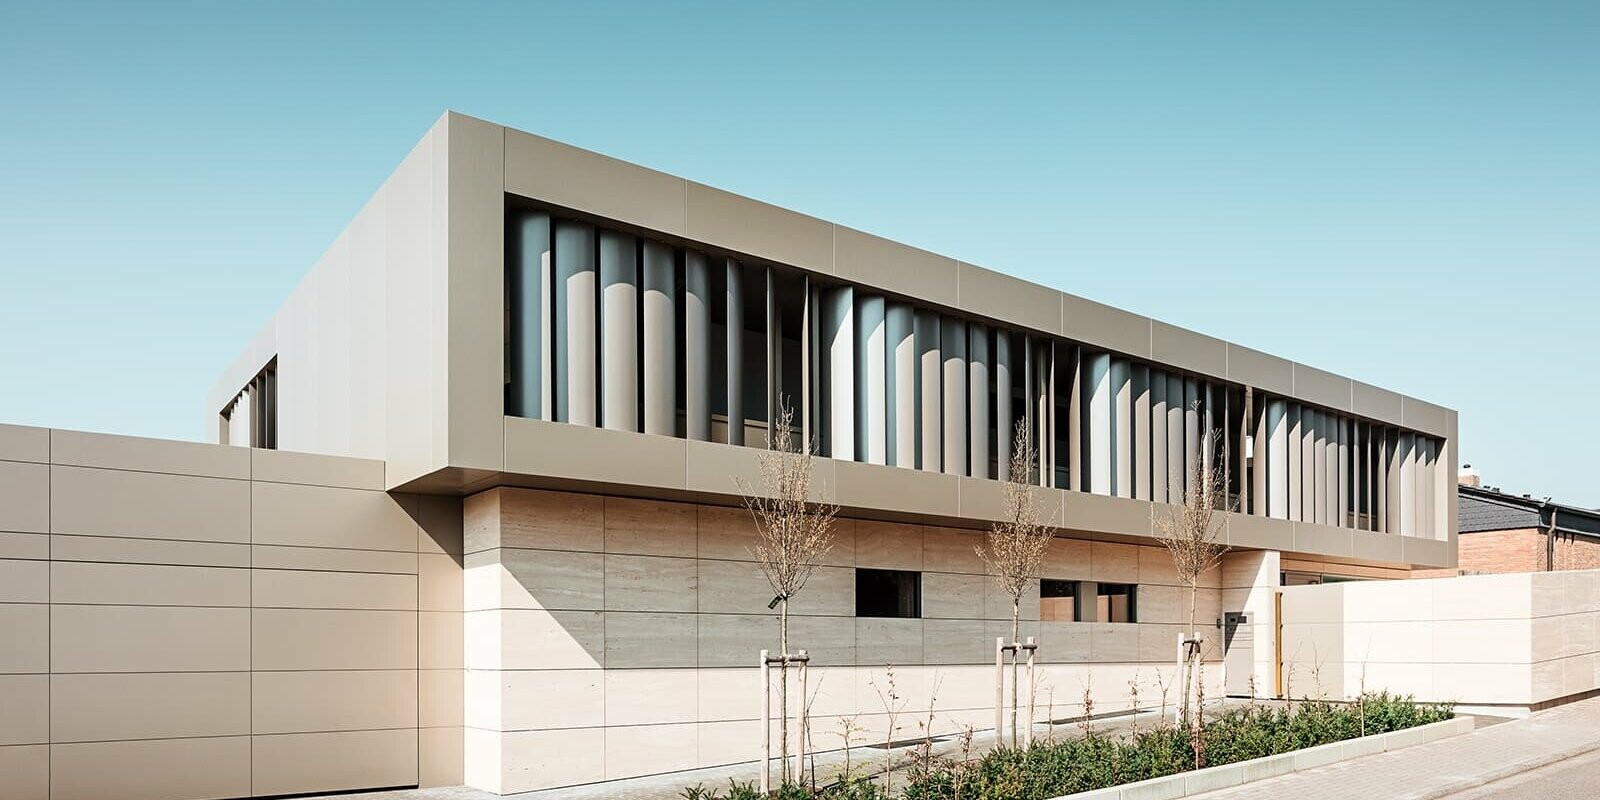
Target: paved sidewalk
{"x": 1442, "y": 768}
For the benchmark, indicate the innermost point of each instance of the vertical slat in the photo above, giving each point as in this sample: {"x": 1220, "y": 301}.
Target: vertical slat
{"x": 978, "y": 400}
{"x": 1191, "y": 432}
{"x": 871, "y": 380}
{"x": 660, "y": 344}
{"x": 1157, "y": 443}
{"x": 734, "y": 302}
{"x": 1343, "y": 509}
{"x": 1122, "y": 428}
{"x": 697, "y": 346}
{"x": 1048, "y": 453}
{"x": 1319, "y": 468}
{"x": 1076, "y": 478}
{"x": 953, "y": 346}
{"x": 776, "y": 398}
{"x": 903, "y": 385}
{"x": 809, "y": 359}
{"x": 1408, "y": 489}
{"x": 1141, "y": 432}
{"x": 839, "y": 334}
{"x": 930, "y": 366}
{"x": 1296, "y": 485}
{"x": 1175, "y": 440}
{"x": 525, "y": 285}
{"x": 1005, "y": 428}
{"x": 619, "y": 325}
{"x": 1102, "y": 446}
{"x": 576, "y": 400}
{"x": 1259, "y": 459}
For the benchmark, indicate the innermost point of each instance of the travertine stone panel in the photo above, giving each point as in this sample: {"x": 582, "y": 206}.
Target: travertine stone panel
{"x": 551, "y": 520}
{"x": 289, "y": 702}
{"x": 954, "y": 596}
{"x": 82, "y": 449}
{"x": 888, "y": 545}
{"x": 534, "y": 700}
{"x": 314, "y": 516}
{"x": 953, "y": 641}
{"x": 441, "y": 698}
{"x": 149, "y": 639}
{"x": 279, "y": 588}
{"x": 23, "y": 443}
{"x": 441, "y": 755}
{"x": 327, "y": 559}
{"x": 144, "y": 584}
{"x": 108, "y": 707}
{"x": 157, "y": 769}
{"x": 889, "y": 641}
{"x": 27, "y": 771}
{"x": 320, "y": 639}
{"x": 24, "y": 497}
{"x": 25, "y": 629}
{"x": 1067, "y": 559}
{"x": 440, "y": 640}
{"x": 530, "y": 760}
{"x": 650, "y": 527}
{"x": 735, "y": 640}
{"x": 650, "y": 749}
{"x": 551, "y": 579}
{"x": 26, "y": 703}
{"x": 32, "y": 546}
{"x": 24, "y": 581}
{"x": 650, "y": 697}
{"x": 636, "y": 639}
{"x": 439, "y": 582}
{"x": 1116, "y": 563}
{"x": 548, "y": 639}
{"x": 303, "y": 762}
{"x": 105, "y": 502}
{"x": 148, "y": 551}
{"x": 284, "y": 466}
{"x": 650, "y": 583}
{"x": 952, "y": 550}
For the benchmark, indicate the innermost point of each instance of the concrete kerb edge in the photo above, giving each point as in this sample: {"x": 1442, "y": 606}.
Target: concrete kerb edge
{"x": 1209, "y": 779}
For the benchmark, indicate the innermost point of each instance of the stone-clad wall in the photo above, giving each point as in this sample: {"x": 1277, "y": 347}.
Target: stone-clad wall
{"x": 609, "y": 637}
{"x": 198, "y": 621}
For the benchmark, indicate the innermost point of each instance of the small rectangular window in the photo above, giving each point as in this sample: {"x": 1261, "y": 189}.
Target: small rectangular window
{"x": 888, "y": 593}
{"x": 1114, "y": 602}
{"x": 1058, "y": 600}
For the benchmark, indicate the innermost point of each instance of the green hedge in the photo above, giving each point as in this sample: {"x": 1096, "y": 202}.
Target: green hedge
{"x": 1095, "y": 761}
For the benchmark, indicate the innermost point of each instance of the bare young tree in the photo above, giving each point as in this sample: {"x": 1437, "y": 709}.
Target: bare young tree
{"x": 793, "y": 534}
{"x": 1015, "y": 547}
{"x": 1191, "y": 532}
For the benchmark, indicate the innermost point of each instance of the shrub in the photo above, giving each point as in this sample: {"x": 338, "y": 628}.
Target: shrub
{"x": 1096, "y": 761}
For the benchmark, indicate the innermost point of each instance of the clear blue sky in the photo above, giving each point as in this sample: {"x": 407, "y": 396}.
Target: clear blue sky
{"x": 1323, "y": 181}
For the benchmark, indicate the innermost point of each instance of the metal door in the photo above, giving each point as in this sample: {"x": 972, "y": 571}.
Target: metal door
{"x": 1238, "y": 653}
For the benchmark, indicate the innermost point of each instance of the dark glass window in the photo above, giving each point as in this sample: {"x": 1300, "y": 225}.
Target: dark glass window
{"x": 1114, "y": 602}
{"x": 1058, "y": 600}
{"x": 888, "y": 593}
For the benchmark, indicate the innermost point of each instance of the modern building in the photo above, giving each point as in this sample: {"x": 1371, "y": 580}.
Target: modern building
{"x": 546, "y": 370}
{"x": 1503, "y": 532}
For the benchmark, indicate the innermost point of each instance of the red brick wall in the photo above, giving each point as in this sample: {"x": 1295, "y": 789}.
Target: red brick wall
{"x": 1522, "y": 550}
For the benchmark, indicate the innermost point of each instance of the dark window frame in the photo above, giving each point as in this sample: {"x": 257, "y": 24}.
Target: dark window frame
{"x": 873, "y": 598}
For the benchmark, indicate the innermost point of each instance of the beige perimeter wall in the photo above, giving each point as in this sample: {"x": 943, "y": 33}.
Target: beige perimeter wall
{"x": 1518, "y": 640}
{"x": 198, "y": 621}
{"x": 612, "y": 637}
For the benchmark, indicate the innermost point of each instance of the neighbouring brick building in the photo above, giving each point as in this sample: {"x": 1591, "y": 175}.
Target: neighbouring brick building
{"x": 1503, "y": 532}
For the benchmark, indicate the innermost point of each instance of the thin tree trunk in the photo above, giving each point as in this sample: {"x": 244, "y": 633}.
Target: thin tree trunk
{"x": 1016, "y": 612}
{"x": 783, "y": 686}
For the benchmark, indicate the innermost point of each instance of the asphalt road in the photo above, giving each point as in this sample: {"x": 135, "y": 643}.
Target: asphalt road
{"x": 1573, "y": 779}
